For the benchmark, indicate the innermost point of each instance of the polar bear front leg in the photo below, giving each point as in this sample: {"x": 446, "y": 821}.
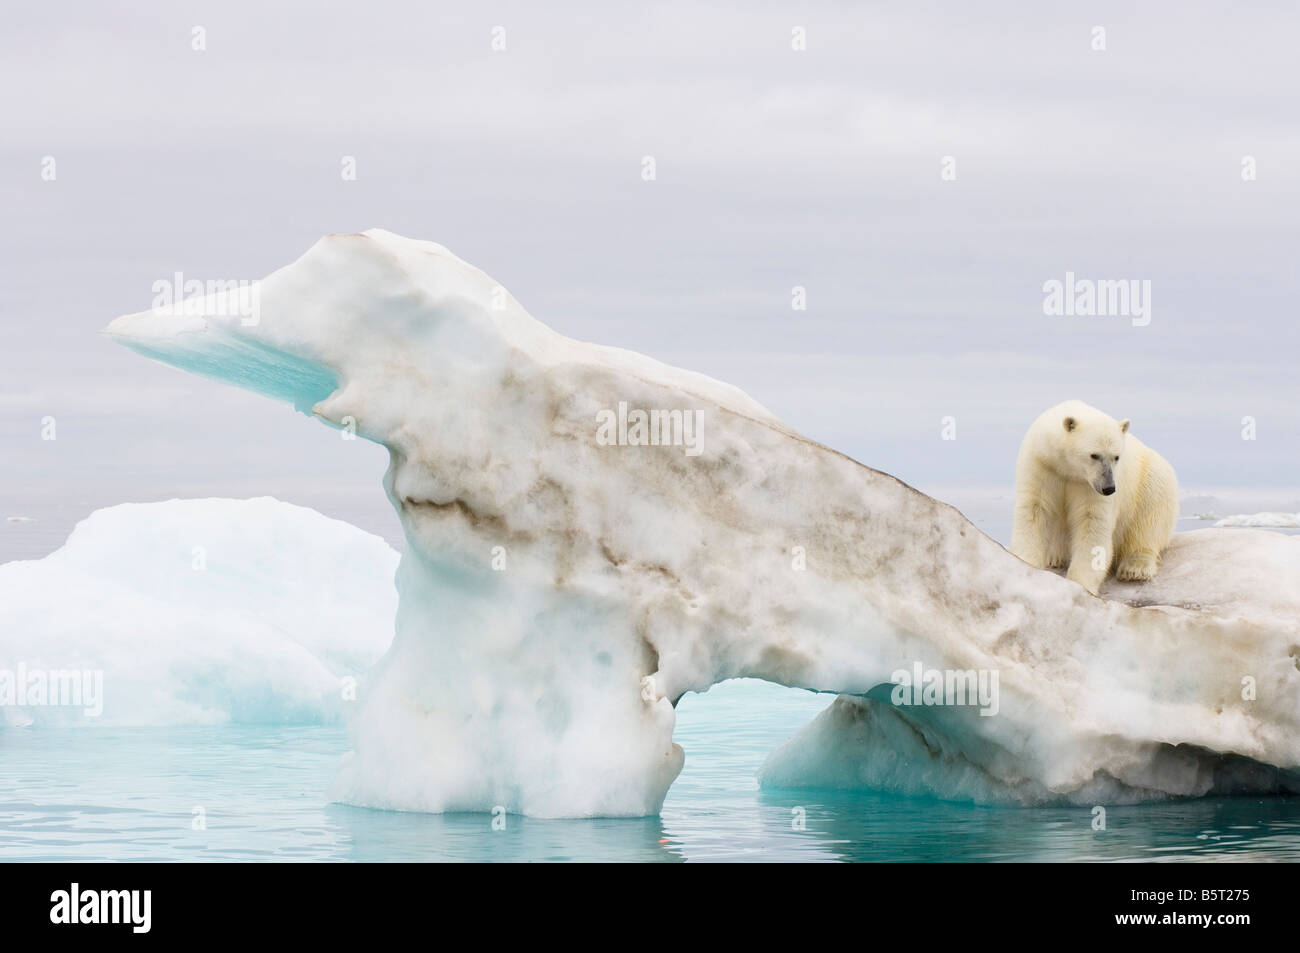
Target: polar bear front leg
{"x": 1148, "y": 532}
{"x": 1034, "y": 531}
{"x": 1090, "y": 547}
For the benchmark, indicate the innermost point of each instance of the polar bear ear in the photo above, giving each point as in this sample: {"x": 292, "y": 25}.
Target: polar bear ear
{"x": 1069, "y": 423}
{"x": 1123, "y": 425}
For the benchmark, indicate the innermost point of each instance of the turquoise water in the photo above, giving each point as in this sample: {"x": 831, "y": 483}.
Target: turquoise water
{"x": 132, "y": 794}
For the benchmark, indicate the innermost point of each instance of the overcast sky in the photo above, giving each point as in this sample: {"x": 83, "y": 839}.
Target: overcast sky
{"x": 775, "y": 167}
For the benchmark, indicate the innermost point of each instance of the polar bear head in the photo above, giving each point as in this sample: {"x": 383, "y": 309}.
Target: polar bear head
{"x": 1094, "y": 444}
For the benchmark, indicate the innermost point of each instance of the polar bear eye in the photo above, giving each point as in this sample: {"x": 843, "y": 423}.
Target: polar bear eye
{"x": 1096, "y": 456}
{"x": 1117, "y": 459}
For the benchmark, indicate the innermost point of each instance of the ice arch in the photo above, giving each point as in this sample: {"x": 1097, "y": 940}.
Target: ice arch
{"x": 626, "y": 575}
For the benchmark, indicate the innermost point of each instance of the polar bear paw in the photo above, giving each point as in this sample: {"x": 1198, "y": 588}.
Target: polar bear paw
{"x": 1137, "y": 567}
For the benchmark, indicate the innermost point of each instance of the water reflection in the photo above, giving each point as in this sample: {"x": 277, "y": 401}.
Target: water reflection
{"x": 391, "y": 836}
{"x": 869, "y": 827}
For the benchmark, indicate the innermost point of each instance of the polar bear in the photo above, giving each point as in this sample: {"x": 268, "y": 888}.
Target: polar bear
{"x": 1091, "y": 497}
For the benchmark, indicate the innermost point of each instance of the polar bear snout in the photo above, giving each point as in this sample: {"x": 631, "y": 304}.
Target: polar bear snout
{"x": 1104, "y": 482}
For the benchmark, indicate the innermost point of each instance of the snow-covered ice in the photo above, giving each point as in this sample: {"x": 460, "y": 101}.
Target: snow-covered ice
{"x": 201, "y": 611}
{"x": 1234, "y": 580}
{"x": 1270, "y": 520}
{"x": 560, "y": 590}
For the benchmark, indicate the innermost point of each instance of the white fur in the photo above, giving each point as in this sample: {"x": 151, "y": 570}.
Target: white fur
{"x": 1062, "y": 520}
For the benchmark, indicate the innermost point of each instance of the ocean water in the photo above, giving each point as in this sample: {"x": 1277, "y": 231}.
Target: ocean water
{"x": 247, "y": 792}
{"x": 260, "y": 794}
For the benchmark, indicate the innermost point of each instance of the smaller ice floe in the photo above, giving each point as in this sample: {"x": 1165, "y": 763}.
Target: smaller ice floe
{"x": 1265, "y": 520}
{"x": 195, "y": 612}
{"x": 20, "y": 519}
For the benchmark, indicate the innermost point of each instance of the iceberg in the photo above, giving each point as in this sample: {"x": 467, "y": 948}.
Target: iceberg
{"x": 193, "y": 612}
{"x": 571, "y": 569}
